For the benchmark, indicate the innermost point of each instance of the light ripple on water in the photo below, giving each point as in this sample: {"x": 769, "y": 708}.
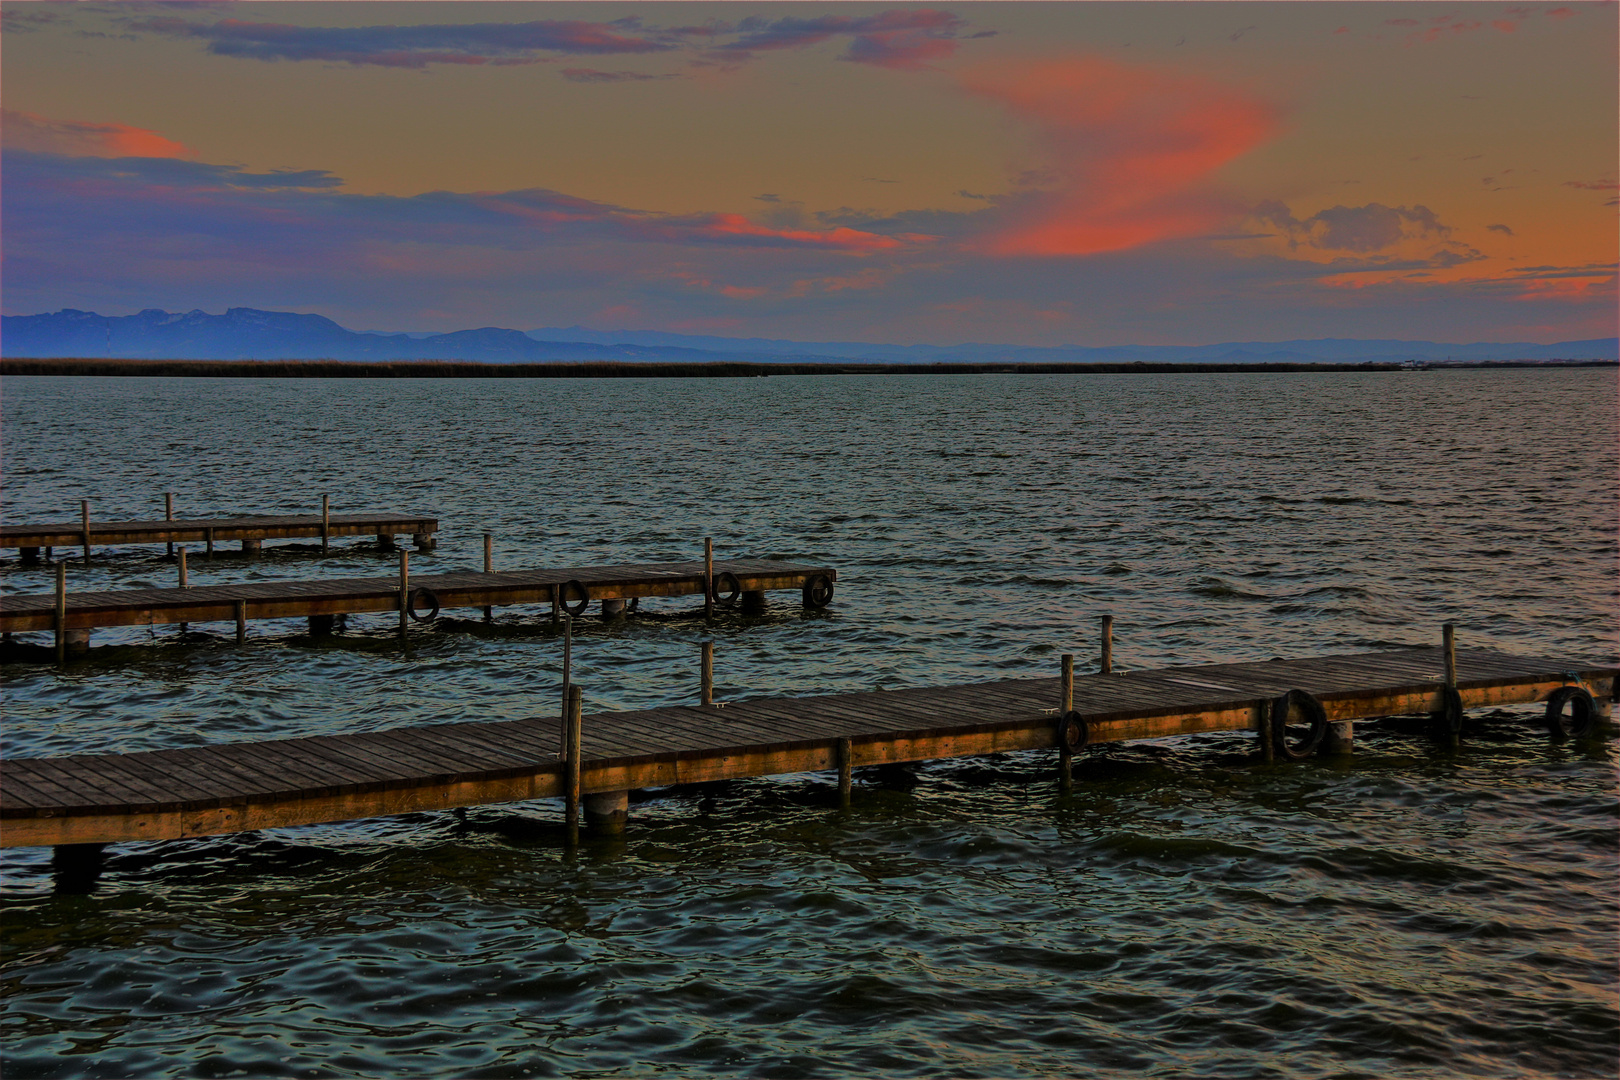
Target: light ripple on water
{"x": 1406, "y": 913}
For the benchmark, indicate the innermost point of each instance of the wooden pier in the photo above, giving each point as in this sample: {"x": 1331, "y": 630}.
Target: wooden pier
{"x": 742, "y": 580}
{"x": 250, "y": 532}
{"x": 1294, "y": 707}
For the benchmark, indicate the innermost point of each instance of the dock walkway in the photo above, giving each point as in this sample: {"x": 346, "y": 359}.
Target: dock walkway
{"x": 250, "y": 531}
{"x": 324, "y": 598}
{"x": 168, "y": 794}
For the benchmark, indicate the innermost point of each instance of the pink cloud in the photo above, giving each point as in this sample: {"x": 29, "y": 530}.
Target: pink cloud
{"x": 83, "y": 138}
{"x": 1132, "y": 150}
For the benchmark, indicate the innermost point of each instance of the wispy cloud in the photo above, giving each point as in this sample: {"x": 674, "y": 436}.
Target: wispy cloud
{"x": 84, "y": 138}
{"x": 1131, "y": 152}
{"x": 1373, "y": 227}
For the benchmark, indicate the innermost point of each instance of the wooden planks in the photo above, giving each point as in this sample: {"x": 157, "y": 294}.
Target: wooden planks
{"x": 201, "y": 530}
{"x": 340, "y": 596}
{"x": 198, "y": 791}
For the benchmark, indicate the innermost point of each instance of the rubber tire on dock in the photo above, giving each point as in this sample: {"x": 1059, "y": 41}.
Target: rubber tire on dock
{"x": 1581, "y": 713}
{"x": 727, "y": 589}
{"x": 1071, "y": 730}
{"x": 574, "y": 585}
{"x": 1447, "y": 724}
{"x": 818, "y": 592}
{"x": 1279, "y": 725}
{"x": 425, "y": 597}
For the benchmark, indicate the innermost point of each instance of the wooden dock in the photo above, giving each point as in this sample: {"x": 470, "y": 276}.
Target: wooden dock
{"x": 168, "y": 794}
{"x": 250, "y": 532}
{"x": 742, "y": 580}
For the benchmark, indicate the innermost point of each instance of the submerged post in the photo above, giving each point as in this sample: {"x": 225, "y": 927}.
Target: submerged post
{"x": 489, "y": 568}
{"x": 708, "y": 577}
{"x": 846, "y": 771}
{"x": 571, "y": 761}
{"x": 168, "y": 515}
{"x": 1107, "y": 666}
{"x": 84, "y": 521}
{"x": 61, "y": 613}
{"x": 326, "y": 522}
{"x": 404, "y": 594}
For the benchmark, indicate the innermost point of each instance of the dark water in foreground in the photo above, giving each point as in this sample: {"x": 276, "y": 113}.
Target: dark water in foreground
{"x": 1407, "y": 912}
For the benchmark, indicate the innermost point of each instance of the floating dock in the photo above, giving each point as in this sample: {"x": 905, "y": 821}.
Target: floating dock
{"x": 571, "y": 589}
{"x": 1294, "y": 706}
{"x": 251, "y": 532}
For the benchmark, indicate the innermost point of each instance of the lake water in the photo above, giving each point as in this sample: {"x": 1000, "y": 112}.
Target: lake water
{"x": 1408, "y": 912}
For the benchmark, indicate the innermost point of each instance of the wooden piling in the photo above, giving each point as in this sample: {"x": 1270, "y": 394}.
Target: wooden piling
{"x": 708, "y": 577}
{"x": 568, "y": 668}
{"x": 1067, "y": 685}
{"x": 168, "y": 515}
{"x": 326, "y": 523}
{"x": 706, "y": 675}
{"x": 404, "y": 595}
{"x": 489, "y": 568}
{"x": 572, "y": 743}
{"x": 208, "y": 535}
{"x": 61, "y": 613}
{"x": 1066, "y": 706}
{"x": 846, "y": 772}
{"x": 1107, "y": 665}
{"x": 1448, "y": 641}
{"x": 84, "y": 520}
{"x": 1268, "y": 749}
{"x": 184, "y": 583}
{"x": 241, "y": 621}
{"x": 556, "y": 604}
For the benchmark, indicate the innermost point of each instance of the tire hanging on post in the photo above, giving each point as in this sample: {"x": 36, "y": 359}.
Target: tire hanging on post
{"x": 576, "y": 586}
{"x": 1317, "y": 716}
{"x": 818, "y": 592}
{"x": 422, "y": 596}
{"x": 727, "y": 589}
{"x": 1071, "y": 731}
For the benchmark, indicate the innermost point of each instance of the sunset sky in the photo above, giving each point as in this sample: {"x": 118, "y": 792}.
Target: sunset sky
{"x": 1086, "y": 173}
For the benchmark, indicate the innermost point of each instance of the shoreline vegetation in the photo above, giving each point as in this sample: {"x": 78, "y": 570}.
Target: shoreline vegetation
{"x": 456, "y": 369}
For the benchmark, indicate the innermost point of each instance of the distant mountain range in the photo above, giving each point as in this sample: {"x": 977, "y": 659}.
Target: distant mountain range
{"x": 249, "y": 334}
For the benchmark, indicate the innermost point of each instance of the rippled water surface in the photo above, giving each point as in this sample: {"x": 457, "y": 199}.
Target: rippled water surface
{"x": 1187, "y": 911}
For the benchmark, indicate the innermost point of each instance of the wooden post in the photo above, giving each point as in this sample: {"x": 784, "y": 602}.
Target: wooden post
{"x": 241, "y": 621}
{"x": 326, "y": 522}
{"x": 1448, "y": 641}
{"x": 209, "y": 535}
{"x": 61, "y": 613}
{"x": 706, "y": 675}
{"x": 568, "y": 667}
{"x": 556, "y": 605}
{"x": 846, "y": 770}
{"x": 84, "y": 519}
{"x": 571, "y": 758}
{"x": 404, "y": 594}
{"x": 168, "y": 515}
{"x": 184, "y": 584}
{"x": 1107, "y": 667}
{"x": 1067, "y": 704}
{"x": 708, "y": 576}
{"x": 489, "y": 568}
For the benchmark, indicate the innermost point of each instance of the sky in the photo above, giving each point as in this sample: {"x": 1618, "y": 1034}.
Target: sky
{"x": 1040, "y": 174}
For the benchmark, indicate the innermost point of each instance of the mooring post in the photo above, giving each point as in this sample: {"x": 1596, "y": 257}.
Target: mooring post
{"x": 84, "y": 520}
{"x": 185, "y": 583}
{"x": 846, "y": 772}
{"x": 571, "y": 755}
{"x": 556, "y": 604}
{"x": 404, "y": 594}
{"x": 241, "y": 621}
{"x": 489, "y": 568}
{"x": 326, "y": 523}
{"x": 1107, "y": 665}
{"x": 1066, "y": 706}
{"x": 1268, "y": 750}
{"x": 708, "y": 577}
{"x": 208, "y": 533}
{"x": 568, "y": 669}
{"x": 168, "y": 515}
{"x": 1448, "y": 641}
{"x": 706, "y": 675}
{"x": 61, "y": 613}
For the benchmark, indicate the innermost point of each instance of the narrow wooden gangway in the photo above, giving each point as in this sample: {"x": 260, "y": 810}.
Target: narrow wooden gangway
{"x": 198, "y": 791}
{"x": 250, "y": 531}
{"x": 325, "y": 598}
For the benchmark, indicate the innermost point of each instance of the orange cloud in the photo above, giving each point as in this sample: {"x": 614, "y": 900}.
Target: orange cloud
{"x": 1132, "y": 151}
{"x": 80, "y": 138}
{"x": 841, "y": 237}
